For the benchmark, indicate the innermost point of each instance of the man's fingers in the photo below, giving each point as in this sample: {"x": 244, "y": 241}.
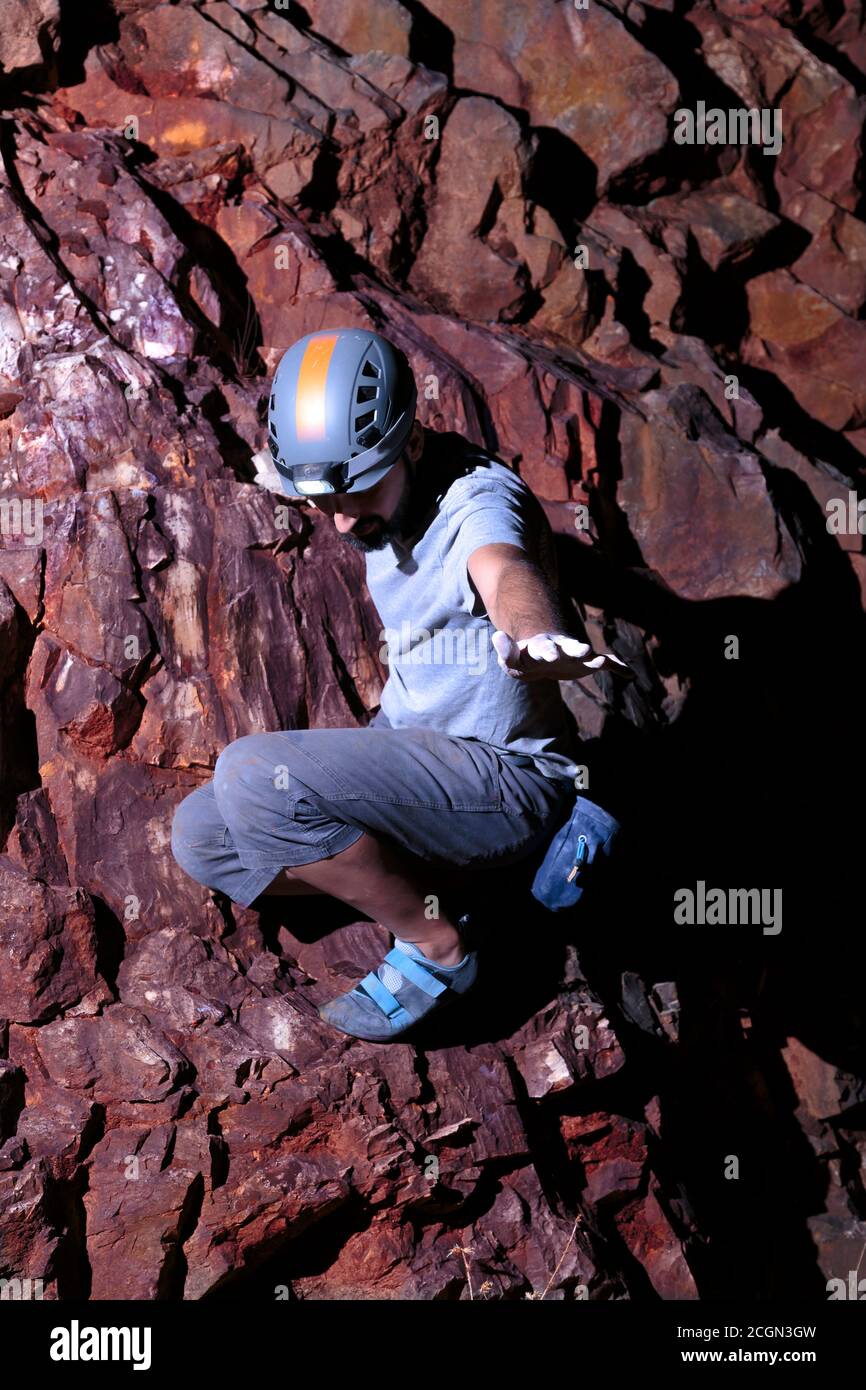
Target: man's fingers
{"x": 617, "y": 667}
{"x": 549, "y": 647}
{"x": 573, "y": 647}
{"x": 542, "y": 647}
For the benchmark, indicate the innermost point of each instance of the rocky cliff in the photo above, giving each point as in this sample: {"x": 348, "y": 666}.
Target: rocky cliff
{"x": 666, "y": 340}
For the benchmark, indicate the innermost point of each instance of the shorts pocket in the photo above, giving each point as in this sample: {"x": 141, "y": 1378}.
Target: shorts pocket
{"x": 481, "y": 787}
{"x": 315, "y": 826}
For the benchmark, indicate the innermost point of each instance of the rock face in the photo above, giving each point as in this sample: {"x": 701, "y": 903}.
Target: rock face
{"x": 666, "y": 341}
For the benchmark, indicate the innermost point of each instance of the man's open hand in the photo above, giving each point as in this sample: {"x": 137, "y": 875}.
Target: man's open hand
{"x": 552, "y": 656}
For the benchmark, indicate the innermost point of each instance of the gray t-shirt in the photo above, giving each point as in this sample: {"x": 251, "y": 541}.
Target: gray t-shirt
{"x": 442, "y": 668}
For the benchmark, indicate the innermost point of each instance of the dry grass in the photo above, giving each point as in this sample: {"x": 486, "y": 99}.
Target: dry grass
{"x": 465, "y": 1251}
{"x": 246, "y": 353}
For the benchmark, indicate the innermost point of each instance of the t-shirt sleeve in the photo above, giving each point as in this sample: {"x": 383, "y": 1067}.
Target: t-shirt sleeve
{"x": 486, "y": 511}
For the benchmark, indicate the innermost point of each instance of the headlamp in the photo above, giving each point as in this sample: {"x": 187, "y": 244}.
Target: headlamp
{"x": 312, "y": 488}
{"x": 312, "y": 479}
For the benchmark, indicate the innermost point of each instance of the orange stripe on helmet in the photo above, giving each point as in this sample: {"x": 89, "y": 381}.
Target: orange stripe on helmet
{"x": 312, "y": 376}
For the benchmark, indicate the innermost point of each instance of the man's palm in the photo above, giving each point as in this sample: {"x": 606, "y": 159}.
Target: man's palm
{"x": 553, "y": 656}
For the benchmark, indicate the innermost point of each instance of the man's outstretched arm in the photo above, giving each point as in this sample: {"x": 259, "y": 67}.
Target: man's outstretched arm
{"x": 530, "y": 637}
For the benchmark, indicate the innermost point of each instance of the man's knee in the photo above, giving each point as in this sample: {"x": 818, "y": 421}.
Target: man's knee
{"x": 196, "y": 830}
{"x": 253, "y": 766}
{"x": 250, "y": 753}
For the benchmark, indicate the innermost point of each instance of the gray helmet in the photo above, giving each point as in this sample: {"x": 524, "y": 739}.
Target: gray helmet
{"x": 341, "y": 409}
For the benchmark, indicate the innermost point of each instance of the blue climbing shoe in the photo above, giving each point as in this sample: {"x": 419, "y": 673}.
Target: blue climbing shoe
{"x": 405, "y": 988}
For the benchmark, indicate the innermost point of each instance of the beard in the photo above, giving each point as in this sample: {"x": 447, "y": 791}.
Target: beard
{"x": 382, "y": 531}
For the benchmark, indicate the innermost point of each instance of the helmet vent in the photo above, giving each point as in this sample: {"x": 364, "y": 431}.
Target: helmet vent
{"x": 367, "y": 393}
{"x": 370, "y": 369}
{"x": 367, "y": 418}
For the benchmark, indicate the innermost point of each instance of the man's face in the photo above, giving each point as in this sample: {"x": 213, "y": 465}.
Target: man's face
{"x": 368, "y": 520}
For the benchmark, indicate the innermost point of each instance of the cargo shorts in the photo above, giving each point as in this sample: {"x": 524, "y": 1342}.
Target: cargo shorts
{"x": 283, "y": 799}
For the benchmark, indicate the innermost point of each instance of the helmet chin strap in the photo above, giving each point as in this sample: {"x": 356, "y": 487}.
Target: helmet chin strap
{"x": 413, "y": 464}
{"x": 406, "y": 506}
{"x": 417, "y": 497}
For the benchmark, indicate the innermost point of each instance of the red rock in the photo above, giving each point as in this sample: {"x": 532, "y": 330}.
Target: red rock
{"x": 116, "y": 1056}
{"x": 834, "y": 263}
{"x": 823, "y": 117}
{"x": 580, "y": 72}
{"x": 727, "y": 227}
{"x": 648, "y": 1235}
{"x": 266, "y": 1201}
{"x": 567, "y": 1042}
{"x": 827, "y": 491}
{"x": 216, "y": 181}
{"x": 30, "y": 1243}
{"x": 478, "y": 135}
{"x": 55, "y": 1124}
{"x": 11, "y": 1098}
{"x": 138, "y": 1205}
{"x": 825, "y": 1090}
{"x": 194, "y": 124}
{"x": 801, "y": 334}
{"x": 47, "y": 946}
{"x": 668, "y": 502}
{"x": 29, "y": 35}
{"x": 181, "y": 981}
{"x": 386, "y": 29}
{"x": 617, "y": 1171}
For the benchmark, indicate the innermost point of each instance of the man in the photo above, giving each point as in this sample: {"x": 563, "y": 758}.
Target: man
{"x": 470, "y": 758}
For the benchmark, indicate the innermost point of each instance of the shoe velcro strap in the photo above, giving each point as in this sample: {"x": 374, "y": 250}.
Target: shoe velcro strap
{"x": 391, "y": 1007}
{"x": 415, "y": 972}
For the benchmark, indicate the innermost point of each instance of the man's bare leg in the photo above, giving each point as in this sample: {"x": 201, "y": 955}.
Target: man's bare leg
{"x": 285, "y": 887}
{"x": 386, "y": 883}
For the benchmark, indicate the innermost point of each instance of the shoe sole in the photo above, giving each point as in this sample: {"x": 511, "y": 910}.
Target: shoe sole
{"x": 447, "y": 1003}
